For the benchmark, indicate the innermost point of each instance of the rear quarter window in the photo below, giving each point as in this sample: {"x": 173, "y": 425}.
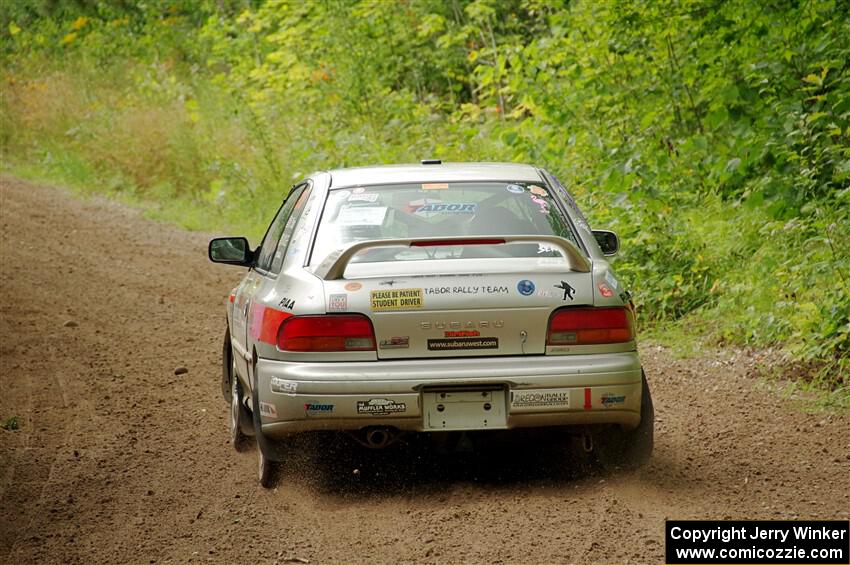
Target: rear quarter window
{"x": 271, "y": 257}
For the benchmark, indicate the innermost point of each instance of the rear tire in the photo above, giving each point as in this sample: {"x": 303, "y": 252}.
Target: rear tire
{"x": 269, "y": 451}
{"x": 267, "y": 470}
{"x": 629, "y": 449}
{"x": 238, "y": 415}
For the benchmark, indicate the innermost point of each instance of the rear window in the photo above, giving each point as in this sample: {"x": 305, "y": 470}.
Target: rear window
{"x": 424, "y": 210}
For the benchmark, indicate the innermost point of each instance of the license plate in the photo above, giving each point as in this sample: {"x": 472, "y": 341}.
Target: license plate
{"x": 464, "y": 410}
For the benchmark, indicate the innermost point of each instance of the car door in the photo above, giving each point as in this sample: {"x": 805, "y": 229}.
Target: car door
{"x": 270, "y": 259}
{"x": 266, "y": 266}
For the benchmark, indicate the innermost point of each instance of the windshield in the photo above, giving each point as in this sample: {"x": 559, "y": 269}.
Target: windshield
{"x": 440, "y": 210}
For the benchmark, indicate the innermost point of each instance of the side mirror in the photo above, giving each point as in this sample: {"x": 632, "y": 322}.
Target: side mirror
{"x": 231, "y": 251}
{"x": 608, "y": 241}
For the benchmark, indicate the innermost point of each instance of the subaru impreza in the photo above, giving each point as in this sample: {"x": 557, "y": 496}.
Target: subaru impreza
{"x": 431, "y": 299}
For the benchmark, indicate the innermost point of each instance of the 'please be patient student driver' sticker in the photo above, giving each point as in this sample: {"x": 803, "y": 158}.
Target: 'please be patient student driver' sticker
{"x": 397, "y": 299}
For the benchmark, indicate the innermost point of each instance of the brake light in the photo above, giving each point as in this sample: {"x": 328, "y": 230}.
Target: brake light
{"x": 587, "y": 326}
{"x": 458, "y": 241}
{"x": 326, "y": 333}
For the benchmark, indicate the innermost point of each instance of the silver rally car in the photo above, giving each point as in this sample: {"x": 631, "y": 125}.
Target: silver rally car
{"x": 431, "y": 298}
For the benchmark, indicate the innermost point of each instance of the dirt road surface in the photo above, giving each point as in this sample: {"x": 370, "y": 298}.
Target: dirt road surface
{"x": 119, "y": 460}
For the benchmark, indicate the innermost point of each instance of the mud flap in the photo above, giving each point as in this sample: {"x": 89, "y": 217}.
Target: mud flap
{"x": 272, "y": 450}
{"x": 226, "y": 353}
{"x": 629, "y": 449}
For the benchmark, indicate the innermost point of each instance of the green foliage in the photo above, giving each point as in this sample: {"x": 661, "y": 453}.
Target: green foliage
{"x": 10, "y": 423}
{"x": 713, "y": 135}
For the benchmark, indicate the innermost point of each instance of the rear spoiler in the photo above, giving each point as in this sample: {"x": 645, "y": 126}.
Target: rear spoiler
{"x": 334, "y": 265}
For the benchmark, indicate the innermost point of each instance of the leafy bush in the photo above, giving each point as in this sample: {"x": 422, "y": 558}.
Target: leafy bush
{"x": 713, "y": 136}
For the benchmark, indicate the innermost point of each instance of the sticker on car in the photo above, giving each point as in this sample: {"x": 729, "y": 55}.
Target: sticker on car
{"x": 380, "y": 407}
{"x": 396, "y": 299}
{"x": 556, "y": 398}
{"x": 283, "y": 386}
{"x": 430, "y": 210}
{"x": 361, "y": 216}
{"x": 569, "y": 292}
{"x": 361, "y": 197}
{"x": 267, "y": 409}
{"x": 337, "y": 302}
{"x": 609, "y": 399}
{"x": 463, "y": 343}
{"x": 525, "y": 287}
{"x": 398, "y": 342}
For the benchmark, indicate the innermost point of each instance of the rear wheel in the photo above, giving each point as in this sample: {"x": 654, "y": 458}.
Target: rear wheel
{"x": 267, "y": 470}
{"x": 237, "y": 411}
{"x": 269, "y": 451}
{"x": 629, "y": 449}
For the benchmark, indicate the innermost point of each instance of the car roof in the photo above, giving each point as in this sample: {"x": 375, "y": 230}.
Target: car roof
{"x": 444, "y": 172}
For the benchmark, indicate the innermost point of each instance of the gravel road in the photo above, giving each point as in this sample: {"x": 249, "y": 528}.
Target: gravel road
{"x": 119, "y": 460}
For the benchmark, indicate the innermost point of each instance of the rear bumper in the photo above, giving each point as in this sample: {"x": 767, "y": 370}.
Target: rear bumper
{"x": 539, "y": 391}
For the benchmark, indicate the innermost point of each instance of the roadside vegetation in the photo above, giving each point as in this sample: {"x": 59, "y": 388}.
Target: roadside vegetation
{"x": 10, "y": 423}
{"x": 712, "y": 135}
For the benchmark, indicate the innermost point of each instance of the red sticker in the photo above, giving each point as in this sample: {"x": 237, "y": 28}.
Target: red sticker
{"x": 265, "y": 322}
{"x": 462, "y": 333}
{"x": 604, "y": 290}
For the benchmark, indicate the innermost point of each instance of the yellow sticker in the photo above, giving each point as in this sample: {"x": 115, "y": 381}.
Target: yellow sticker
{"x": 397, "y": 299}
{"x": 436, "y": 186}
{"x": 537, "y": 190}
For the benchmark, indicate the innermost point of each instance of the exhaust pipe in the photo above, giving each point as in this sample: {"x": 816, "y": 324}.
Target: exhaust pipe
{"x": 379, "y": 438}
{"x": 587, "y": 443}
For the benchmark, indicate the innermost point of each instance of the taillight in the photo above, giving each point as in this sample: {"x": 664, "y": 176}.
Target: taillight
{"x": 326, "y": 333}
{"x": 587, "y": 326}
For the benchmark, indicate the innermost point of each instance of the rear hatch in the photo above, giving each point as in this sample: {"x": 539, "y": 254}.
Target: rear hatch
{"x": 464, "y": 314}
{"x": 451, "y": 269}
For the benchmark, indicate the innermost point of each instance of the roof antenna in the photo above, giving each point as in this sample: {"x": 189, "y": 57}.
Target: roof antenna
{"x": 431, "y": 162}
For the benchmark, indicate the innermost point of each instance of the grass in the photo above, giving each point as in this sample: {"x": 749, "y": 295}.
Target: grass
{"x": 682, "y": 342}
{"x": 10, "y": 423}
{"x": 186, "y": 152}
{"x": 82, "y": 181}
{"x": 100, "y": 136}
{"x": 125, "y": 154}
{"x": 806, "y": 397}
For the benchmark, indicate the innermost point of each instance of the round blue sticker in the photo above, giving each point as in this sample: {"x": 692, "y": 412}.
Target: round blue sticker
{"x": 525, "y": 287}
{"x": 515, "y": 188}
